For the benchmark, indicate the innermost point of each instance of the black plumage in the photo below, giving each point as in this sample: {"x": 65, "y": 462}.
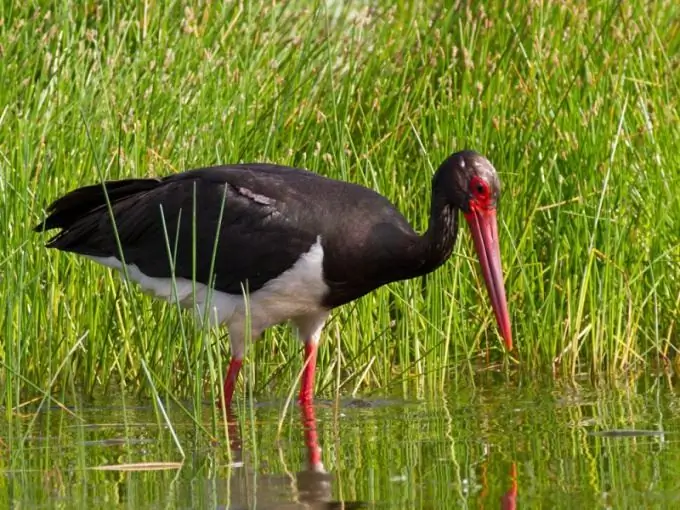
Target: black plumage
{"x": 265, "y": 220}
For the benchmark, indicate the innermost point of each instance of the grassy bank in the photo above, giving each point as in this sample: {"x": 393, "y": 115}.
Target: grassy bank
{"x": 576, "y": 105}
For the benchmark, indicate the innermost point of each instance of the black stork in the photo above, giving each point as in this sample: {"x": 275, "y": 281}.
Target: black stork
{"x": 254, "y": 245}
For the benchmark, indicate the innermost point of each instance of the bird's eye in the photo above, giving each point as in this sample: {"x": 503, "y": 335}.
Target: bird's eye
{"x": 479, "y": 187}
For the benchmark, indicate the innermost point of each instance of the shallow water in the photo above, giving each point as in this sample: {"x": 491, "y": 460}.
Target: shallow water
{"x": 495, "y": 445}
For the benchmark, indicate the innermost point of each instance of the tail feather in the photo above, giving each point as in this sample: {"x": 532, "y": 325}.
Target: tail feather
{"x": 73, "y": 206}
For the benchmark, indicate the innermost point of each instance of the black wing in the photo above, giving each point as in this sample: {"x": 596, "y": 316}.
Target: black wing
{"x": 175, "y": 223}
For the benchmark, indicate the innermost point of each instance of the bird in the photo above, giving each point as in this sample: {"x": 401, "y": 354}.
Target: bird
{"x": 252, "y": 245}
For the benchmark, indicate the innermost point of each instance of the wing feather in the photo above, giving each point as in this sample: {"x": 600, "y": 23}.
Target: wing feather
{"x": 171, "y": 226}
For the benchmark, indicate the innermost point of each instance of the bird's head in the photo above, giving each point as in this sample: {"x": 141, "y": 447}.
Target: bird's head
{"x": 469, "y": 182}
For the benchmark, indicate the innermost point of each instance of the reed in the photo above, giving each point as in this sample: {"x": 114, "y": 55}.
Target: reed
{"x": 576, "y": 105}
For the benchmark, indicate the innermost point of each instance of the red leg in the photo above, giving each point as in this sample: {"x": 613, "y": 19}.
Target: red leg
{"x": 509, "y": 499}
{"x": 230, "y": 380}
{"x": 307, "y": 384}
{"x": 311, "y": 439}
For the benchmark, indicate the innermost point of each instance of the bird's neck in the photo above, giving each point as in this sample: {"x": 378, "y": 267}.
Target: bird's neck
{"x": 438, "y": 241}
{"x": 400, "y": 257}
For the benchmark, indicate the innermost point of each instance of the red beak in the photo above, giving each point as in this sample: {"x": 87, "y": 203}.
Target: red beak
{"x": 485, "y": 235}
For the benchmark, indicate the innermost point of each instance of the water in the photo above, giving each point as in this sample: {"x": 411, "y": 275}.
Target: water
{"x": 491, "y": 445}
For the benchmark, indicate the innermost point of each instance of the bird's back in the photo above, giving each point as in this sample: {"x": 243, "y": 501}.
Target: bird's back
{"x": 251, "y": 222}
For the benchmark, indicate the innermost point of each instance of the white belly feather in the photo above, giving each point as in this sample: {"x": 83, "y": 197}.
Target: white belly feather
{"x": 294, "y": 294}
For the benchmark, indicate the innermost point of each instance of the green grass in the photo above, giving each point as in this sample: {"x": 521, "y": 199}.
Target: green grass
{"x": 576, "y": 105}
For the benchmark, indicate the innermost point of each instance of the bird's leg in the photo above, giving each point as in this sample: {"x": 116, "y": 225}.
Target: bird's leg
{"x": 237, "y": 341}
{"x": 230, "y": 380}
{"x": 311, "y": 438}
{"x": 307, "y": 383}
{"x": 309, "y": 331}
{"x": 233, "y": 432}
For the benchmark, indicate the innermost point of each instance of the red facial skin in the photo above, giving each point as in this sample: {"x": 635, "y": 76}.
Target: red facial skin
{"x": 482, "y": 220}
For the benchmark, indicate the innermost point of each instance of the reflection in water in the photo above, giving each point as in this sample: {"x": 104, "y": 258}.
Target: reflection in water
{"x": 509, "y": 499}
{"x": 310, "y": 488}
{"x": 569, "y": 447}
